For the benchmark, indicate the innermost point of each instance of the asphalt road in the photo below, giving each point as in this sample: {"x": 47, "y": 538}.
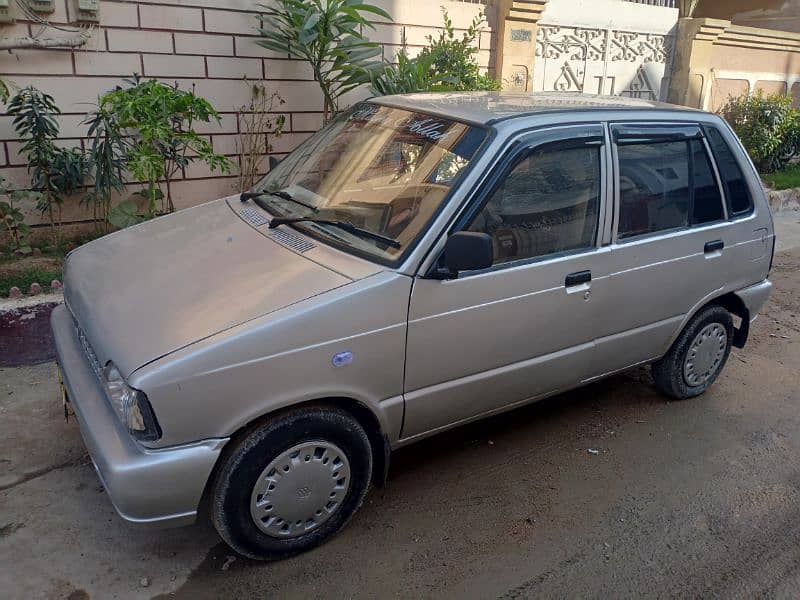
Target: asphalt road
{"x": 695, "y": 498}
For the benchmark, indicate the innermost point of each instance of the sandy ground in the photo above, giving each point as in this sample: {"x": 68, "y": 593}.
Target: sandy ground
{"x": 696, "y": 498}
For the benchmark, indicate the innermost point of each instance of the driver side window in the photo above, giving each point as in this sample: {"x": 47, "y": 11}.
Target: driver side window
{"x": 548, "y": 204}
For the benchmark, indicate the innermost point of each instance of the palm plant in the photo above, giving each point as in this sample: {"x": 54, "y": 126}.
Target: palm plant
{"x": 328, "y": 35}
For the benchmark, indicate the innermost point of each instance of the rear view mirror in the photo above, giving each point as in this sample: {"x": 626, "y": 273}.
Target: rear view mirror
{"x": 466, "y": 251}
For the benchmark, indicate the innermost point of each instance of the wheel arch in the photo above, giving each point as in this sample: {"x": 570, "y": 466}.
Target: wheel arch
{"x": 379, "y": 441}
{"x": 731, "y": 302}
{"x": 736, "y": 306}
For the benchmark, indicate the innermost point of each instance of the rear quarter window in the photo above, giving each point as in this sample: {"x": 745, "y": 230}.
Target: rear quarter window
{"x": 737, "y": 192}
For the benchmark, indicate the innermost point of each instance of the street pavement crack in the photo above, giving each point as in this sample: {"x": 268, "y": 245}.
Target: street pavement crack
{"x": 83, "y": 459}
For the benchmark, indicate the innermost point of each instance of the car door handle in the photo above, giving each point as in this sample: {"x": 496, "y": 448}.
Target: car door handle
{"x": 578, "y": 278}
{"x": 714, "y": 246}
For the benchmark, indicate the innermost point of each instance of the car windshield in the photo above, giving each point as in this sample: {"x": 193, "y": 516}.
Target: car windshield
{"x": 382, "y": 169}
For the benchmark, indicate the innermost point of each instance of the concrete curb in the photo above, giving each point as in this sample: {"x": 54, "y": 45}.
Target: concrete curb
{"x": 8, "y": 304}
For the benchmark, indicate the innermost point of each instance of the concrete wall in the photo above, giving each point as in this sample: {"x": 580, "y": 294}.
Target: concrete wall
{"x": 209, "y": 44}
{"x": 717, "y": 59}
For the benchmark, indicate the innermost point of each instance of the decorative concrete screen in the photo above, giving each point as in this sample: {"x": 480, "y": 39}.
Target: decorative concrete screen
{"x": 605, "y": 47}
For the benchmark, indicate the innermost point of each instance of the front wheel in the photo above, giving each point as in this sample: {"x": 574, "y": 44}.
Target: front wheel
{"x": 697, "y": 357}
{"x": 292, "y": 483}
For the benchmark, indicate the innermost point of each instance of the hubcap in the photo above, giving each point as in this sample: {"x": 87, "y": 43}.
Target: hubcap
{"x": 300, "y": 489}
{"x": 705, "y": 354}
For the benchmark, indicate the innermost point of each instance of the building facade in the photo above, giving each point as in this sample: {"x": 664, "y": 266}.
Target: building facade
{"x": 691, "y": 52}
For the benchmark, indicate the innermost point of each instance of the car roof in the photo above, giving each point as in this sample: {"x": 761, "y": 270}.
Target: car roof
{"x": 486, "y": 108}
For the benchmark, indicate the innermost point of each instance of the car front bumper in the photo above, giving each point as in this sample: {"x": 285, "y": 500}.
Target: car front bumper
{"x": 160, "y": 488}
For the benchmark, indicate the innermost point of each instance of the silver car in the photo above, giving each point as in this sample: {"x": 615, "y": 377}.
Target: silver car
{"x": 421, "y": 262}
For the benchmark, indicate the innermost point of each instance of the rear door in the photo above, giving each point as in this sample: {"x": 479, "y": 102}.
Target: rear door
{"x": 670, "y": 240}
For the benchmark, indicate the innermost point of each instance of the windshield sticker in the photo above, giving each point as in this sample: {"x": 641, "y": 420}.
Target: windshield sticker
{"x": 422, "y": 126}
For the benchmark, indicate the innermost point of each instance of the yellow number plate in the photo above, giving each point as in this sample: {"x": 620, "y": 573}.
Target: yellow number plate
{"x": 64, "y": 396}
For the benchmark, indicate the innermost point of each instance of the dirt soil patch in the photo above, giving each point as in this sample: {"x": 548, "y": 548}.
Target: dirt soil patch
{"x": 30, "y": 263}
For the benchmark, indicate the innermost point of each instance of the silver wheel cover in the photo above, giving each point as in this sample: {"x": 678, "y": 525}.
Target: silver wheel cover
{"x": 705, "y": 354}
{"x": 300, "y": 489}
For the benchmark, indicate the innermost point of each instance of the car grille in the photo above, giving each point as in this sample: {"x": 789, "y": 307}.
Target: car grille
{"x": 89, "y": 352}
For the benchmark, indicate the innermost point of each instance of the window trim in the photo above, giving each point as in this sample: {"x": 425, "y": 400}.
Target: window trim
{"x": 665, "y": 137}
{"x": 526, "y": 142}
{"x": 731, "y": 216}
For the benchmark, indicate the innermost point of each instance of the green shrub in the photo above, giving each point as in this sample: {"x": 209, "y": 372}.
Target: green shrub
{"x": 768, "y": 126}
{"x": 445, "y": 64}
{"x": 159, "y": 119}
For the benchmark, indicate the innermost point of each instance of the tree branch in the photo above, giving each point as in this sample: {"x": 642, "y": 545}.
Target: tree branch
{"x": 18, "y": 43}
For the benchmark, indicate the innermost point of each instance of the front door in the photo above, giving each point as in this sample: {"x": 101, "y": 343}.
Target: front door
{"x": 524, "y": 327}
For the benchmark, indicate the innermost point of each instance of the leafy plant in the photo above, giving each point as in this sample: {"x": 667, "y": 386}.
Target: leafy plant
{"x": 455, "y": 60}
{"x": 160, "y": 118}
{"x": 326, "y": 34}
{"x": 107, "y": 153}
{"x": 447, "y": 63}
{"x": 23, "y": 278}
{"x": 407, "y": 76}
{"x": 55, "y": 172}
{"x": 125, "y": 214}
{"x": 259, "y": 124}
{"x": 5, "y": 90}
{"x": 768, "y": 126}
{"x": 12, "y": 217}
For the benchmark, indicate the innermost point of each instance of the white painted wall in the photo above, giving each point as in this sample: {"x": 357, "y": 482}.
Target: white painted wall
{"x": 614, "y": 14}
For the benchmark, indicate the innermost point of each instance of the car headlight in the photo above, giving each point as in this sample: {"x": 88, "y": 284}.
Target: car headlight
{"x": 131, "y": 405}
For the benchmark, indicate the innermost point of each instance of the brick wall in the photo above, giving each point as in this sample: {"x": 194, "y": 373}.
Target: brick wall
{"x": 206, "y": 43}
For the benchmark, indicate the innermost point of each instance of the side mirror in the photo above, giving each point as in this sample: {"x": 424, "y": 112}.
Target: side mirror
{"x": 273, "y": 162}
{"x": 466, "y": 251}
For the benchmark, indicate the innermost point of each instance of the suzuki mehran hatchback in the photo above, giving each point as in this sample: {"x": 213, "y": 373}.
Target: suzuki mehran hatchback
{"x": 420, "y": 262}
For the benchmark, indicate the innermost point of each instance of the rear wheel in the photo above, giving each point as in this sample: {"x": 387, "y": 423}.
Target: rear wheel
{"x": 697, "y": 357}
{"x": 292, "y": 483}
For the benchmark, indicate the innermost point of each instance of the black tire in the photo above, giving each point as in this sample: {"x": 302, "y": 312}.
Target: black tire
{"x": 668, "y": 372}
{"x": 242, "y": 464}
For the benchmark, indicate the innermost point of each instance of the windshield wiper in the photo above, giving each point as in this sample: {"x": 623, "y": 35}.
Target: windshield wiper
{"x": 283, "y": 194}
{"x": 349, "y": 227}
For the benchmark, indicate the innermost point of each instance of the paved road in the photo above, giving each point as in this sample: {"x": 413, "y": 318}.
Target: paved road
{"x": 697, "y": 498}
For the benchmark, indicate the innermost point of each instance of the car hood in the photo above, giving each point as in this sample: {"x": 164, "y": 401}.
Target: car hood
{"x": 146, "y": 291}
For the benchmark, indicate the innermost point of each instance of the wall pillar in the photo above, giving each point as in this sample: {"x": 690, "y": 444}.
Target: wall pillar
{"x": 691, "y": 64}
{"x": 517, "y": 28}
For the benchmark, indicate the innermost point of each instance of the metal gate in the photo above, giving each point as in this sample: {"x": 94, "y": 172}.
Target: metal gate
{"x": 602, "y": 61}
